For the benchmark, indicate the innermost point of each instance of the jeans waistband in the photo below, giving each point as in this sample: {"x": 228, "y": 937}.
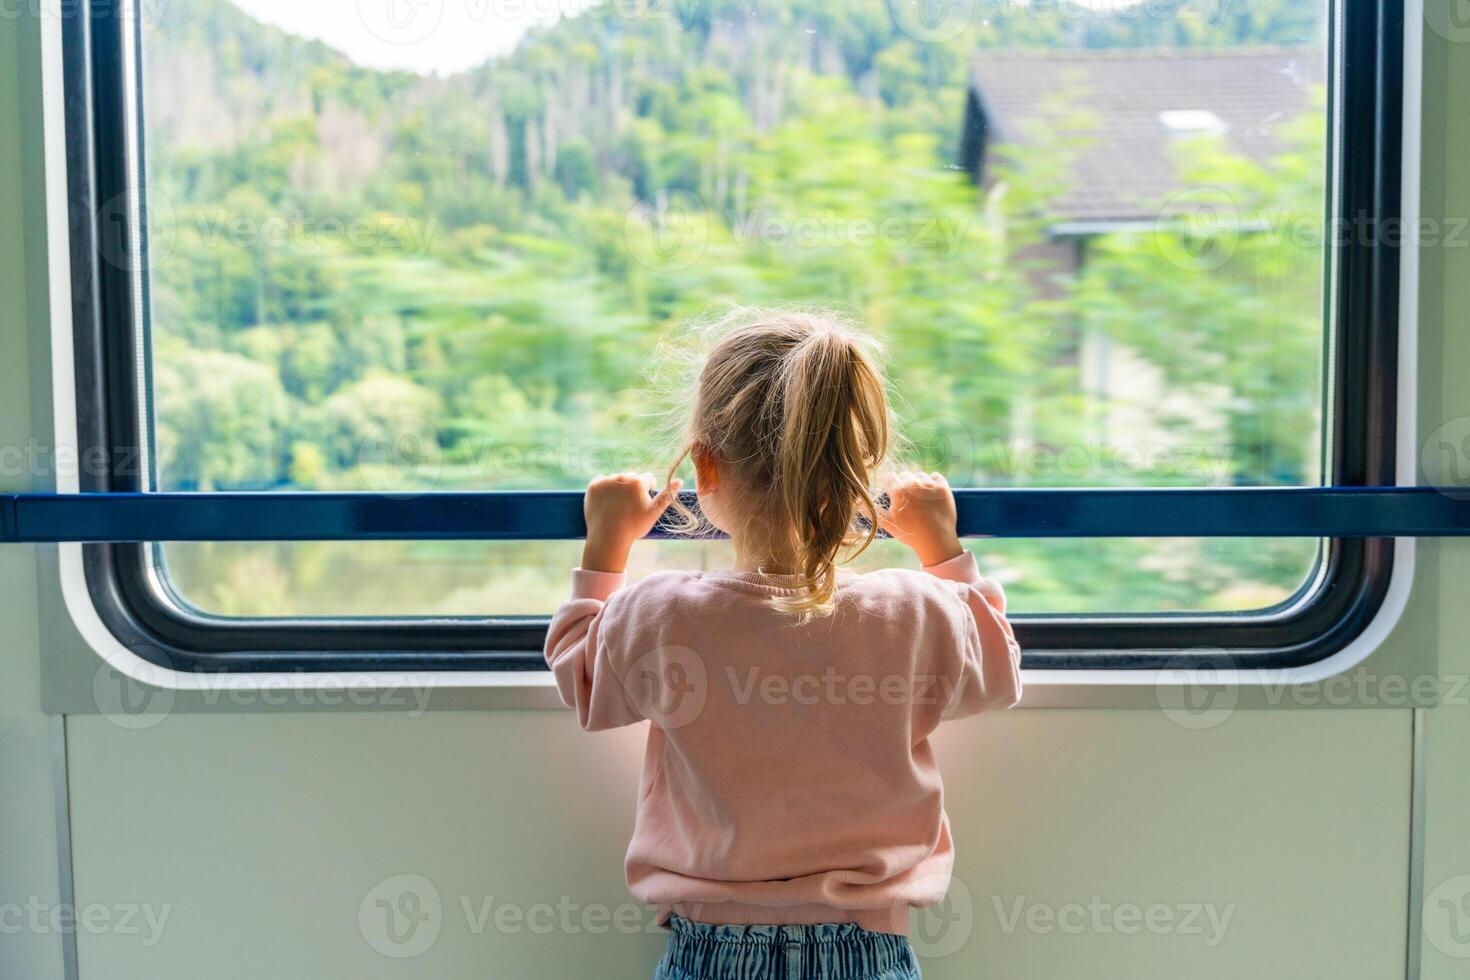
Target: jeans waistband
{"x": 831, "y": 951}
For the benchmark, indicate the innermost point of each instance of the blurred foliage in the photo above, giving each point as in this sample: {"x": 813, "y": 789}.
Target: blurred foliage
{"x": 377, "y": 280}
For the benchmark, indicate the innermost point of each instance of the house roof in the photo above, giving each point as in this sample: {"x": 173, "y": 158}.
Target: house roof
{"x": 1120, "y": 113}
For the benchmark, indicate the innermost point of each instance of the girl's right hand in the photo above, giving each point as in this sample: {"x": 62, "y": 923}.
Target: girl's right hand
{"x": 921, "y": 514}
{"x": 620, "y": 509}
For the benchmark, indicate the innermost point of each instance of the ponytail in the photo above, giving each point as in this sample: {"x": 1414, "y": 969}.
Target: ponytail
{"x": 835, "y": 433}
{"x": 795, "y": 405}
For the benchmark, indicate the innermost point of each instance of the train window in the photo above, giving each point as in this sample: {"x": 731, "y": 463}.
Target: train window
{"x": 343, "y": 245}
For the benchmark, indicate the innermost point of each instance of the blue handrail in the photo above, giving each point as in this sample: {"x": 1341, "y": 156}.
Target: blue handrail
{"x": 1311, "y": 512}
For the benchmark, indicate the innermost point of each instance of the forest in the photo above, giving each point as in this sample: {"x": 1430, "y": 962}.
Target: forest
{"x": 380, "y": 280}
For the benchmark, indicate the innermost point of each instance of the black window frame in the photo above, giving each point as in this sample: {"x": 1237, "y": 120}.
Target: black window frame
{"x": 1365, "y": 42}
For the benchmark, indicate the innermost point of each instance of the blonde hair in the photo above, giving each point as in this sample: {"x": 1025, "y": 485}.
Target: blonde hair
{"x": 794, "y": 406}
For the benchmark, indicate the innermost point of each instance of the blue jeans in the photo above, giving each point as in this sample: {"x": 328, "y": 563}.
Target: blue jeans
{"x": 825, "y": 952}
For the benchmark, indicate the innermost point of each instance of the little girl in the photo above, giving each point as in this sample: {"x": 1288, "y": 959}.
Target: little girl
{"x": 790, "y": 810}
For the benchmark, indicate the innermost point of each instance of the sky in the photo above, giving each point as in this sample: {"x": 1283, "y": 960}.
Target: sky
{"x": 447, "y": 36}
{"x": 423, "y": 36}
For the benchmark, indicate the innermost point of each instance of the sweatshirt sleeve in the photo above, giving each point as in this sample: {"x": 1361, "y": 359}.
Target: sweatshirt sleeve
{"x": 577, "y": 653}
{"x": 990, "y": 674}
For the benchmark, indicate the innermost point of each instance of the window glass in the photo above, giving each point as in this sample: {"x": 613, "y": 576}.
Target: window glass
{"x": 409, "y": 247}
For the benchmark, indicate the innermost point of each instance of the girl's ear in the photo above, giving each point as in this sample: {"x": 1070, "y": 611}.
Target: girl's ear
{"x": 706, "y": 473}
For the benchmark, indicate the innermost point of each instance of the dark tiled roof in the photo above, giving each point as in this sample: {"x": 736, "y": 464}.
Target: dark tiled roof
{"x": 1104, "y": 107}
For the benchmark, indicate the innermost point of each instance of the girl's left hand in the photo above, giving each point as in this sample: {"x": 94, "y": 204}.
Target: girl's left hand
{"x": 620, "y": 509}
{"x": 921, "y": 514}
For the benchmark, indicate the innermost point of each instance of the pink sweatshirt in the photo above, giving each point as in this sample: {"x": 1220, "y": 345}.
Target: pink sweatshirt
{"x": 788, "y": 777}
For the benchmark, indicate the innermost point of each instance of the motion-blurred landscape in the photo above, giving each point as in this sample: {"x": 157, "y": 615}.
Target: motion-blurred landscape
{"x": 369, "y": 279}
